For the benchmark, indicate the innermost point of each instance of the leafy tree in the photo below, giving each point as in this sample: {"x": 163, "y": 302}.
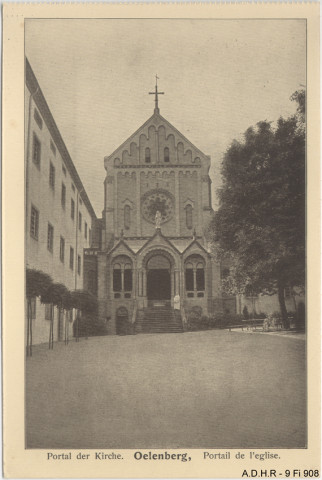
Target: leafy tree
{"x": 37, "y": 283}
{"x": 56, "y": 294}
{"x": 260, "y": 223}
{"x": 84, "y": 302}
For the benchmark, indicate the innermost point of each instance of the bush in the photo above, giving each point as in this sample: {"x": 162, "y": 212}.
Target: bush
{"x": 89, "y": 326}
{"x": 300, "y": 316}
{"x": 273, "y": 320}
{"x": 245, "y": 313}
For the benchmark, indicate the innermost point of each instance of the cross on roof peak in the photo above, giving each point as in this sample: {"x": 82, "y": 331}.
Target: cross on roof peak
{"x": 156, "y": 93}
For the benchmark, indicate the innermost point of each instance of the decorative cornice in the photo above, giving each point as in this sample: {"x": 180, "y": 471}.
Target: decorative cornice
{"x": 159, "y": 165}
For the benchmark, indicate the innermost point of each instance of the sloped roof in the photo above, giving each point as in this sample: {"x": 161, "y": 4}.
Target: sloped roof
{"x": 151, "y": 120}
{"x": 158, "y": 233}
{"x": 120, "y": 243}
{"x": 198, "y": 244}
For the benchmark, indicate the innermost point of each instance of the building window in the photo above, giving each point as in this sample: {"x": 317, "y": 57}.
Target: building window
{"x": 62, "y": 250}
{"x": 38, "y": 118}
{"x": 72, "y": 209}
{"x": 147, "y": 155}
{"x": 73, "y": 187}
{"x": 33, "y": 308}
{"x": 189, "y": 277}
{"x": 36, "y": 151}
{"x": 195, "y": 275}
{"x": 90, "y": 236}
{"x": 50, "y": 238}
{"x": 79, "y": 264}
{"x": 189, "y": 217}
{"x": 117, "y": 282}
{"x": 52, "y": 147}
{"x": 71, "y": 258}
{"x": 48, "y": 311}
{"x": 200, "y": 277}
{"x": 128, "y": 278}
{"x": 34, "y": 222}
{"x": 80, "y": 201}
{"x": 166, "y": 155}
{"x": 63, "y": 195}
{"x": 52, "y": 176}
{"x": 79, "y": 221}
{"x": 122, "y": 275}
{"x": 64, "y": 170}
{"x": 85, "y": 230}
{"x": 127, "y": 217}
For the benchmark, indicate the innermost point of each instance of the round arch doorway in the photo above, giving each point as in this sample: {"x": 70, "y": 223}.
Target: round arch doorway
{"x": 158, "y": 278}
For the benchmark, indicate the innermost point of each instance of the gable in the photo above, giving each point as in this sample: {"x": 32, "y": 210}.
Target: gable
{"x": 158, "y": 240}
{"x": 121, "y": 248}
{"x": 163, "y": 142}
{"x": 194, "y": 248}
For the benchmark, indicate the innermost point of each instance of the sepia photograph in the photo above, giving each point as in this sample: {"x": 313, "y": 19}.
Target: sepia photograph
{"x": 165, "y": 233}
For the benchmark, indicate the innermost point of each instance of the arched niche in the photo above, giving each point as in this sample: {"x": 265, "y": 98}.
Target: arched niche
{"x": 180, "y": 151}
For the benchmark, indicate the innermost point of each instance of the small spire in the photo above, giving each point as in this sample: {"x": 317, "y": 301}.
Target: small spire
{"x": 194, "y": 235}
{"x": 156, "y": 93}
{"x": 122, "y": 233}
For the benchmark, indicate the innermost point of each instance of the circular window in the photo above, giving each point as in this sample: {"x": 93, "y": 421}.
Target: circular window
{"x": 157, "y": 200}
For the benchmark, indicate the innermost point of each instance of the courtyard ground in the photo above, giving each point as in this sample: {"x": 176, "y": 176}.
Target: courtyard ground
{"x": 211, "y": 389}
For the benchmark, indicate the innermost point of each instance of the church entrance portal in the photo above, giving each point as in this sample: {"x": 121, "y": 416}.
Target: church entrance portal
{"x": 158, "y": 278}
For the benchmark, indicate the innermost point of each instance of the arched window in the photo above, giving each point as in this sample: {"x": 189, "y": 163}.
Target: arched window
{"x": 189, "y": 277}
{"x": 117, "y": 280}
{"x": 189, "y": 216}
{"x": 122, "y": 277}
{"x": 166, "y": 155}
{"x": 127, "y": 217}
{"x": 195, "y": 276}
{"x": 147, "y": 155}
{"x": 200, "y": 277}
{"x": 128, "y": 278}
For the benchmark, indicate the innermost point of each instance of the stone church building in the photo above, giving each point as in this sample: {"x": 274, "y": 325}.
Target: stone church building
{"x": 151, "y": 263}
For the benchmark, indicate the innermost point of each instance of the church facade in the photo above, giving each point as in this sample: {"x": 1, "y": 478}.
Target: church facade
{"x": 151, "y": 251}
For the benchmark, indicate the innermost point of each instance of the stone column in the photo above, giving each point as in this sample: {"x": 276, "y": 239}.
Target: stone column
{"x": 122, "y": 278}
{"x": 194, "y": 279}
{"x": 144, "y": 282}
{"x": 115, "y": 205}
{"x": 138, "y": 204}
{"x": 173, "y": 288}
{"x": 177, "y": 282}
{"x": 134, "y": 282}
{"x": 177, "y": 200}
{"x": 139, "y": 283}
{"x": 199, "y": 211}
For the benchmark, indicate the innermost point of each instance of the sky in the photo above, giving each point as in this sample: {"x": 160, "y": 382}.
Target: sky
{"x": 219, "y": 78}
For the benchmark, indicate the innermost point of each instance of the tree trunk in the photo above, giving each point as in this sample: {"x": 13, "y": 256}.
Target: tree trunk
{"x": 51, "y": 328}
{"x": 281, "y": 299}
{"x": 30, "y": 336}
{"x": 29, "y": 315}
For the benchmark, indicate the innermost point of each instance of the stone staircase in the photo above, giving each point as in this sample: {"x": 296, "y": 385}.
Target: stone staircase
{"x": 163, "y": 319}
